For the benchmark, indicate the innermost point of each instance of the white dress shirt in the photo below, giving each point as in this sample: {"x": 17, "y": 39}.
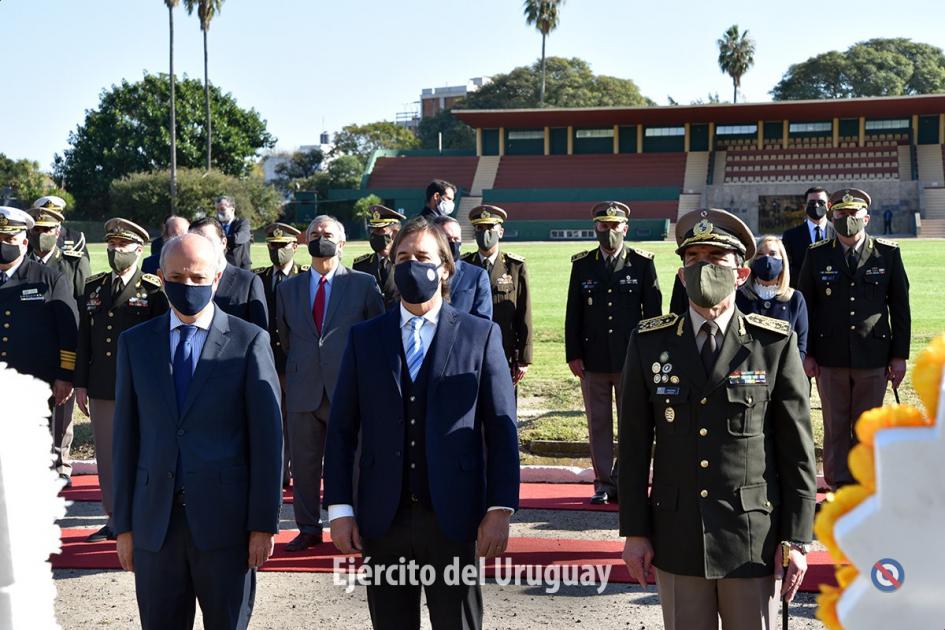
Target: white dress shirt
{"x": 491, "y": 258}
{"x": 427, "y": 332}
{"x": 200, "y": 336}
{"x": 722, "y": 320}
{"x": 812, "y": 230}
{"x": 125, "y": 277}
{"x": 12, "y": 270}
{"x": 314, "y": 279}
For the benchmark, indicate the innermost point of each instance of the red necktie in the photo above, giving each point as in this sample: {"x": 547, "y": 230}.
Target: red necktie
{"x": 318, "y": 308}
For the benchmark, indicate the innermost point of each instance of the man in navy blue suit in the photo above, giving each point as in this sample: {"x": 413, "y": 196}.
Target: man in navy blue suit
{"x": 427, "y": 388}
{"x": 197, "y": 451}
{"x": 469, "y": 288}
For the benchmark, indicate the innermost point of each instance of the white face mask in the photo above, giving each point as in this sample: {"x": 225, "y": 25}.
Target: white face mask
{"x": 765, "y": 292}
{"x": 223, "y": 217}
{"x": 445, "y": 206}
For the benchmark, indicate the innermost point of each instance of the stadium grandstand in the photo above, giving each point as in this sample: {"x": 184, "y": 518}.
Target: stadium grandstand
{"x": 548, "y": 166}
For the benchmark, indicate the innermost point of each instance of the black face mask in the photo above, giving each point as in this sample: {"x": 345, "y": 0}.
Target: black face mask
{"x": 416, "y": 281}
{"x": 8, "y": 253}
{"x": 188, "y": 299}
{"x": 816, "y": 211}
{"x": 454, "y": 249}
{"x": 380, "y": 242}
{"x": 320, "y": 247}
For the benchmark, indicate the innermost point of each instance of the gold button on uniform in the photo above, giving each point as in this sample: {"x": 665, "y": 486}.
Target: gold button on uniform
{"x": 704, "y": 463}
{"x": 108, "y": 354}
{"x": 704, "y": 494}
{"x": 703, "y": 432}
{"x": 108, "y": 339}
{"x": 703, "y": 401}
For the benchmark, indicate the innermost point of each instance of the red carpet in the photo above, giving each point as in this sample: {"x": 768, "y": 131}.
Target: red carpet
{"x": 536, "y": 552}
{"x": 532, "y": 496}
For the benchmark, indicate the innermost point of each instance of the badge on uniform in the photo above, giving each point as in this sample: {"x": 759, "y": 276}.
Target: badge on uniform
{"x": 667, "y": 391}
{"x": 748, "y": 378}
{"x": 628, "y": 280}
{"x": 829, "y": 276}
{"x": 875, "y": 271}
{"x": 137, "y": 301}
{"x": 30, "y": 295}
{"x": 504, "y": 282}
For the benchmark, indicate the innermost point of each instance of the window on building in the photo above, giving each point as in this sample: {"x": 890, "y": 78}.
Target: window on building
{"x": 652, "y": 132}
{"x": 571, "y": 235}
{"x": 876, "y": 125}
{"x": 736, "y": 130}
{"x": 813, "y": 127}
{"x": 537, "y": 134}
{"x": 594, "y": 133}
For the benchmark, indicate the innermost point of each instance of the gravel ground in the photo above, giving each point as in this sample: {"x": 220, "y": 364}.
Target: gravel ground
{"x": 105, "y": 599}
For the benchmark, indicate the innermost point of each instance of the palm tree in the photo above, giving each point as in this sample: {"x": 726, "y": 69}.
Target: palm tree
{"x": 544, "y": 14}
{"x": 171, "y": 4}
{"x": 206, "y": 10}
{"x": 736, "y": 56}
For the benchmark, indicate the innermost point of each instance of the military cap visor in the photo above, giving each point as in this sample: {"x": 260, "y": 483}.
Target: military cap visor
{"x": 382, "y": 216}
{"x": 281, "y": 233}
{"x": 613, "y": 211}
{"x": 850, "y": 198}
{"x": 487, "y": 215}
{"x": 716, "y": 228}
{"x": 125, "y": 229}
{"x": 46, "y": 217}
{"x": 14, "y": 220}
{"x": 50, "y": 202}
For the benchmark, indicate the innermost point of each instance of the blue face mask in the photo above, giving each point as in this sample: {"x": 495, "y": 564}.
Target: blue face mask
{"x": 455, "y": 247}
{"x": 767, "y": 267}
{"x": 416, "y": 281}
{"x": 188, "y": 299}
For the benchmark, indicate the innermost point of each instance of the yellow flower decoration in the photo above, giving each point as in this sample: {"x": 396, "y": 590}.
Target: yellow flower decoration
{"x": 846, "y": 498}
{"x": 846, "y": 574}
{"x": 927, "y": 374}
{"x": 862, "y": 466}
{"x": 827, "y": 607}
{"x": 887, "y": 418}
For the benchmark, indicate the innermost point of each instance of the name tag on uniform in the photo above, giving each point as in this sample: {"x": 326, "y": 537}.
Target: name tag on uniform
{"x": 828, "y": 276}
{"x": 589, "y": 285}
{"x": 667, "y": 391}
{"x": 30, "y": 295}
{"x": 748, "y": 378}
{"x": 629, "y": 280}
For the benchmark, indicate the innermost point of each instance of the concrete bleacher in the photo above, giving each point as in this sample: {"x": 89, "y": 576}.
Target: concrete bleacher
{"x": 416, "y": 172}
{"x": 591, "y": 171}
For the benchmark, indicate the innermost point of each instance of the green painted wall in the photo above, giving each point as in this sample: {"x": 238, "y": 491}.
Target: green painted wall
{"x": 490, "y": 142}
{"x": 663, "y": 193}
{"x": 928, "y": 130}
{"x": 628, "y": 139}
{"x": 664, "y": 144}
{"x": 699, "y": 137}
{"x": 773, "y": 130}
{"x": 850, "y": 127}
{"x": 559, "y": 140}
{"x": 525, "y": 147}
{"x": 639, "y": 230}
{"x": 586, "y": 146}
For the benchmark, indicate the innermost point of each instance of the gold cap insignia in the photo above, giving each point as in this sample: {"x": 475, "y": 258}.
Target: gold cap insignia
{"x": 377, "y": 215}
{"x": 847, "y": 198}
{"x": 3, "y": 220}
{"x": 49, "y": 204}
{"x": 277, "y": 232}
{"x": 485, "y": 214}
{"x": 702, "y": 228}
{"x": 611, "y": 211}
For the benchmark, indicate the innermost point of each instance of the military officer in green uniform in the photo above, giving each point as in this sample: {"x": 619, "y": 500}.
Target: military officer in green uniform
{"x": 857, "y": 296}
{"x": 511, "y": 301}
{"x": 383, "y": 225}
{"x": 733, "y": 472}
{"x": 282, "y": 241}
{"x": 612, "y": 287}
{"x": 111, "y": 303}
{"x": 43, "y": 239}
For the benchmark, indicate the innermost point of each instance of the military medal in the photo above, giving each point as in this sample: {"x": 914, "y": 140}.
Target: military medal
{"x": 674, "y": 379}
{"x": 656, "y": 368}
{"x": 767, "y": 304}
{"x": 669, "y": 414}
{"x": 667, "y": 368}
{"x": 665, "y": 378}
{"x": 664, "y": 357}
{"x": 656, "y": 378}
{"x": 828, "y": 291}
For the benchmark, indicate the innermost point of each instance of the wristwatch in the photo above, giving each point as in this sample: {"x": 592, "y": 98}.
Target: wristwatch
{"x": 804, "y": 548}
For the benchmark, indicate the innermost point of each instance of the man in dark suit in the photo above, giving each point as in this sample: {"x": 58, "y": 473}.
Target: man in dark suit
{"x": 612, "y": 287}
{"x": 440, "y": 200}
{"x": 383, "y": 224}
{"x": 239, "y": 235}
{"x": 173, "y": 226}
{"x": 469, "y": 285}
{"x": 111, "y": 303}
{"x": 814, "y": 229}
{"x": 427, "y": 389}
{"x": 197, "y": 451}
{"x": 733, "y": 471}
{"x": 240, "y": 292}
{"x": 314, "y": 312}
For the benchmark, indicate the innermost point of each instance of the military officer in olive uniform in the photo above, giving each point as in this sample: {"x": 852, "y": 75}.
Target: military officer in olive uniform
{"x": 43, "y": 238}
{"x": 612, "y": 288}
{"x": 857, "y": 296}
{"x": 111, "y": 303}
{"x": 38, "y": 316}
{"x": 734, "y": 476}
{"x": 282, "y": 241}
{"x": 69, "y": 240}
{"x": 511, "y": 301}
{"x": 383, "y": 224}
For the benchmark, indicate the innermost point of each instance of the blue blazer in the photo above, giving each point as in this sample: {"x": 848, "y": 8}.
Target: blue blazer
{"x": 470, "y": 291}
{"x": 229, "y": 436}
{"x": 471, "y": 436}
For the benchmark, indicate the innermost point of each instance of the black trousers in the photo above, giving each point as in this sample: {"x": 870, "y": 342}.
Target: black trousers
{"x": 416, "y": 535}
{"x": 168, "y": 581}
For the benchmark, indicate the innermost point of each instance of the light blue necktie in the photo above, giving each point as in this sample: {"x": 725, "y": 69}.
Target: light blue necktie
{"x": 415, "y": 350}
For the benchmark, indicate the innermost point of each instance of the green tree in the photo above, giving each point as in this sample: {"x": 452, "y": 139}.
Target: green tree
{"x": 363, "y": 140}
{"x": 206, "y": 10}
{"x": 301, "y": 165}
{"x": 876, "y": 67}
{"x": 345, "y": 171}
{"x": 736, "y": 56}
{"x": 22, "y": 183}
{"x": 172, "y": 124}
{"x": 456, "y": 135}
{"x": 143, "y": 197}
{"x": 126, "y": 134}
{"x": 544, "y": 15}
{"x": 362, "y": 206}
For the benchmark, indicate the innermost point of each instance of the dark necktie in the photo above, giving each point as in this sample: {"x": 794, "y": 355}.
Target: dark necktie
{"x": 277, "y": 279}
{"x": 116, "y": 287}
{"x": 184, "y": 363}
{"x": 488, "y": 266}
{"x": 818, "y": 234}
{"x": 3, "y": 277}
{"x": 318, "y": 308}
{"x": 709, "y": 347}
{"x": 852, "y": 259}
{"x": 383, "y": 269}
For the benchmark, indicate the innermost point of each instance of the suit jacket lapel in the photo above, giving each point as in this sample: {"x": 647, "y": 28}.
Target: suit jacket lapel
{"x": 217, "y": 338}
{"x": 339, "y": 286}
{"x": 394, "y": 344}
{"x": 161, "y": 326}
{"x": 304, "y": 298}
{"x": 498, "y": 269}
{"x": 733, "y": 352}
{"x": 225, "y": 281}
{"x": 442, "y": 345}
{"x": 865, "y": 253}
{"x": 457, "y": 277}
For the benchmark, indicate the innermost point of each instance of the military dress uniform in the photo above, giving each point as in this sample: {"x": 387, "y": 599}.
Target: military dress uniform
{"x": 69, "y": 240}
{"x": 376, "y": 264}
{"x": 109, "y": 306}
{"x": 511, "y": 300}
{"x": 859, "y": 320}
{"x": 733, "y": 469}
{"x": 606, "y": 300}
{"x": 75, "y": 267}
{"x": 38, "y": 319}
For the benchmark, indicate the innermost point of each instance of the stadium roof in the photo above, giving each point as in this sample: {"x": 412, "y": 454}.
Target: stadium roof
{"x": 719, "y": 113}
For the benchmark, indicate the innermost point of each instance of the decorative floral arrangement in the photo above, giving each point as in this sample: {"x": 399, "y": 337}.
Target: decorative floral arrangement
{"x": 926, "y": 378}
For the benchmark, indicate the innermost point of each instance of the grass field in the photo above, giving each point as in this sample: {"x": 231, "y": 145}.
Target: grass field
{"x": 550, "y": 399}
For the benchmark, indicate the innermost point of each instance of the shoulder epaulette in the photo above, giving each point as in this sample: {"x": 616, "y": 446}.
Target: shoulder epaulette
{"x": 96, "y": 277}
{"x": 657, "y": 323}
{"x": 769, "y": 323}
{"x": 820, "y": 243}
{"x": 304, "y": 267}
{"x": 515, "y": 257}
{"x": 642, "y": 252}
{"x": 362, "y": 258}
{"x": 886, "y": 242}
{"x": 258, "y": 270}
{"x": 71, "y": 253}
{"x": 578, "y": 256}
{"x": 151, "y": 279}
{"x": 468, "y": 256}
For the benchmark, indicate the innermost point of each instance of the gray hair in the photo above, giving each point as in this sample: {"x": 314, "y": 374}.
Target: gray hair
{"x": 443, "y": 219}
{"x": 227, "y": 201}
{"x": 327, "y": 218}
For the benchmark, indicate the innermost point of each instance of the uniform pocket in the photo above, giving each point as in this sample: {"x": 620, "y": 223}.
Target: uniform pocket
{"x": 747, "y": 406}
{"x": 758, "y": 497}
{"x": 665, "y": 498}
{"x": 670, "y": 409}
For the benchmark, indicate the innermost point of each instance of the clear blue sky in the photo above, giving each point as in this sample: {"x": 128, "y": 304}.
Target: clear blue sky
{"x": 309, "y": 65}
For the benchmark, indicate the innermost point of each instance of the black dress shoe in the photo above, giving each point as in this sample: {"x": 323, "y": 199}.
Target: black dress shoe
{"x": 102, "y": 535}
{"x": 599, "y": 498}
{"x": 66, "y": 481}
{"x": 304, "y": 541}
